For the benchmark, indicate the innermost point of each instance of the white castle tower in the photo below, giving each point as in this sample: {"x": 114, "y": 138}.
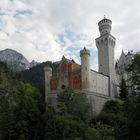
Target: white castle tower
{"x": 48, "y": 74}
{"x": 106, "y": 44}
{"x": 85, "y": 68}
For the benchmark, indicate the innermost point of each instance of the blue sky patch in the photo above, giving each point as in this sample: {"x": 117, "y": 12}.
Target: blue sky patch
{"x": 69, "y": 34}
{"x": 23, "y": 12}
{"x": 61, "y": 38}
{"x": 2, "y": 13}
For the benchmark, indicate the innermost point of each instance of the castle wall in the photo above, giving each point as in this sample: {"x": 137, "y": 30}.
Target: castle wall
{"x": 54, "y": 84}
{"x": 75, "y": 80}
{"x": 97, "y": 102}
{"x": 99, "y": 83}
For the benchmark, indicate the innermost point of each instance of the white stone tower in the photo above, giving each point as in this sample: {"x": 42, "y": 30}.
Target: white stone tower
{"x": 85, "y": 68}
{"x": 106, "y": 44}
{"x": 48, "y": 74}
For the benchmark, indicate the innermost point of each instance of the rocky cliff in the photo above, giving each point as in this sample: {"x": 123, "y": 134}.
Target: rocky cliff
{"x": 15, "y": 60}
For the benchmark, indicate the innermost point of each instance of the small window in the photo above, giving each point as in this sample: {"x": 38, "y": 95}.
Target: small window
{"x": 63, "y": 87}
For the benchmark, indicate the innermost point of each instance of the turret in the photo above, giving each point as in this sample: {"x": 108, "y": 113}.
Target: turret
{"x": 48, "y": 74}
{"x": 85, "y": 68}
{"x": 105, "y": 26}
{"x": 106, "y": 44}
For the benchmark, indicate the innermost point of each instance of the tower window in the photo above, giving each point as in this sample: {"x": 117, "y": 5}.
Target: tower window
{"x": 63, "y": 87}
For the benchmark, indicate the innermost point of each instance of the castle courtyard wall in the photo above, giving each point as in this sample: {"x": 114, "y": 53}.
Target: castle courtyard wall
{"x": 97, "y": 101}
{"x": 99, "y": 83}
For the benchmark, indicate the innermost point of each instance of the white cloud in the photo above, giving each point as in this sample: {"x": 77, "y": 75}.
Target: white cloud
{"x": 47, "y": 29}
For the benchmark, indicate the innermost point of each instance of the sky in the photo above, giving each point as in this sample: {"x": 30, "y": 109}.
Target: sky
{"x": 45, "y": 30}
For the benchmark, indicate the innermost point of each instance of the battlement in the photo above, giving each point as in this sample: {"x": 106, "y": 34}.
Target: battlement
{"x": 105, "y": 26}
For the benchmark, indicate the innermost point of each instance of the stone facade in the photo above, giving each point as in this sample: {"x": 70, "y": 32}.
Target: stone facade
{"x": 122, "y": 64}
{"x": 99, "y": 86}
{"x": 121, "y": 68}
{"x": 99, "y": 83}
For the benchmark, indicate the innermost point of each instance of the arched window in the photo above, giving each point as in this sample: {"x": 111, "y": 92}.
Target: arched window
{"x": 63, "y": 87}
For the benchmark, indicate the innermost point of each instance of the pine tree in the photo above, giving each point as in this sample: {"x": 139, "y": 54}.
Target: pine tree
{"x": 134, "y": 70}
{"x": 123, "y": 89}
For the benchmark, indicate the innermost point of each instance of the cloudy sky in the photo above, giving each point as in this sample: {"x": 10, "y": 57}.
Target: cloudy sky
{"x": 47, "y": 29}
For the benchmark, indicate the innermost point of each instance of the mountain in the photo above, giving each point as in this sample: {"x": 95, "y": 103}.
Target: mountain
{"x": 15, "y": 60}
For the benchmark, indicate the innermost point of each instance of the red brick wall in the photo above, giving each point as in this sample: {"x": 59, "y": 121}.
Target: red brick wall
{"x": 63, "y": 68}
{"x": 54, "y": 84}
{"x": 74, "y": 77}
{"x": 75, "y": 80}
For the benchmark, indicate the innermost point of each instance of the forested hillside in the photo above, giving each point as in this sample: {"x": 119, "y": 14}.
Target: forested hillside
{"x": 35, "y": 75}
{"x": 21, "y": 106}
{"x": 25, "y": 116}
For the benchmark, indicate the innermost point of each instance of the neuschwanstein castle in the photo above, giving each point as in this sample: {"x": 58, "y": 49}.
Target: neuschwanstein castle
{"x": 99, "y": 86}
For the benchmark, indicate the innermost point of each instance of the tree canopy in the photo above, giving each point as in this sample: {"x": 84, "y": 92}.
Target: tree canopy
{"x": 134, "y": 72}
{"x": 24, "y": 116}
